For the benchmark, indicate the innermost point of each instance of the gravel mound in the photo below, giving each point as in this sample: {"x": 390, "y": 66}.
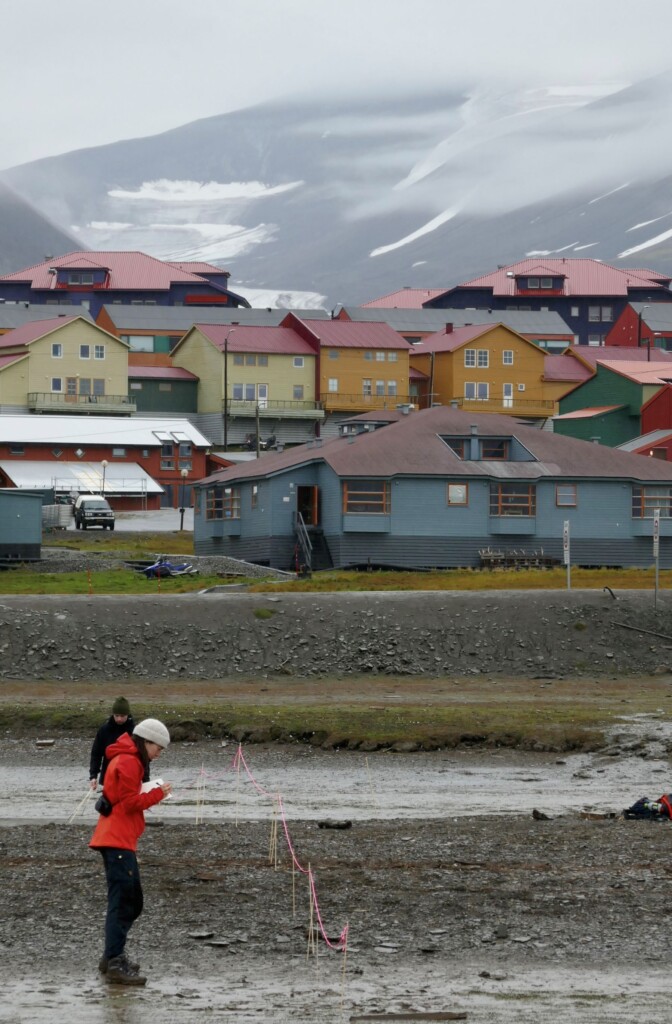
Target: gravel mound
{"x": 64, "y": 560}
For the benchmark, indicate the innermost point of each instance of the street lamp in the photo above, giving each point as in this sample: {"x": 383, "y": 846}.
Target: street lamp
{"x": 639, "y": 334}
{"x": 184, "y": 474}
{"x": 226, "y": 388}
{"x": 104, "y": 464}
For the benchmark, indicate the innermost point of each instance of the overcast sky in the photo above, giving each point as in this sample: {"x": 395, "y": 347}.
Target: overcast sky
{"x": 78, "y": 73}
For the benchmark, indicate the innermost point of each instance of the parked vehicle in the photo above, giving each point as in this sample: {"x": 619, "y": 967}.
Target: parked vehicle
{"x": 93, "y": 510}
{"x": 164, "y": 567}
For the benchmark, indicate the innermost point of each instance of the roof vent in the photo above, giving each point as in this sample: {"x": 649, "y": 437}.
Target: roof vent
{"x": 352, "y": 438}
{"x": 449, "y": 328}
{"x": 474, "y": 428}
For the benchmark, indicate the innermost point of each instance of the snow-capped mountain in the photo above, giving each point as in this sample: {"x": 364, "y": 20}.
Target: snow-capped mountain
{"x": 313, "y": 203}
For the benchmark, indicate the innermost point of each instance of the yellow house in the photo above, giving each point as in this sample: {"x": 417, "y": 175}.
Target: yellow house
{"x": 362, "y": 365}
{"x": 66, "y": 364}
{"x": 492, "y": 369}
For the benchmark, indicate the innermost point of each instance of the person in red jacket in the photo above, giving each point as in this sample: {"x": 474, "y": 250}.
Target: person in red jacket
{"x": 116, "y": 836}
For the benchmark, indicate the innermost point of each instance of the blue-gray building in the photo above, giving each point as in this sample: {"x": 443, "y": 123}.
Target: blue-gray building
{"x": 437, "y": 488}
{"x": 20, "y": 524}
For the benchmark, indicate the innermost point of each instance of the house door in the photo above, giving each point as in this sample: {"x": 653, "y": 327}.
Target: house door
{"x": 508, "y": 395}
{"x": 262, "y": 395}
{"x": 308, "y": 505}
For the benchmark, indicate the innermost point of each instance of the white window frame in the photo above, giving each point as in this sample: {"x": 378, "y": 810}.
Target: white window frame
{"x": 57, "y": 385}
{"x": 480, "y": 391}
{"x": 84, "y": 349}
{"x": 391, "y": 357}
{"x": 98, "y": 351}
{"x": 297, "y": 362}
{"x": 470, "y": 357}
{"x": 332, "y": 385}
{"x": 56, "y": 350}
{"x": 507, "y": 357}
{"x": 483, "y": 358}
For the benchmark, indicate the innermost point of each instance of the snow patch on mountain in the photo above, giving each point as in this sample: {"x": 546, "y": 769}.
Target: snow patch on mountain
{"x": 645, "y": 223}
{"x": 266, "y": 298}
{"x": 431, "y": 225}
{"x": 646, "y": 245}
{"x": 164, "y": 190}
{"x": 610, "y": 193}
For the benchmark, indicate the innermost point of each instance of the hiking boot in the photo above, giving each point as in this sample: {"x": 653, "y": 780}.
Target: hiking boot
{"x": 103, "y": 962}
{"x": 119, "y": 972}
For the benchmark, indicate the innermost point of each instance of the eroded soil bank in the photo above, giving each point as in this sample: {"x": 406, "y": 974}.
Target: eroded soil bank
{"x": 218, "y": 636}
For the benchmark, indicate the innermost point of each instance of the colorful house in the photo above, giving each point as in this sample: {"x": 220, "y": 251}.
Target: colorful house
{"x": 608, "y": 406}
{"x": 437, "y": 488}
{"x": 91, "y": 279}
{"x": 64, "y": 365}
{"x": 589, "y": 295}
{"x": 492, "y": 369}
{"x": 136, "y": 463}
{"x": 647, "y": 324}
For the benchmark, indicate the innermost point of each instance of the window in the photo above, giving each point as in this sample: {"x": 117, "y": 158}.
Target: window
{"x": 597, "y": 313}
{"x": 380, "y": 357}
{"x": 575, "y": 311}
{"x": 237, "y": 392}
{"x": 145, "y": 453}
{"x": 222, "y": 503}
{"x": 250, "y": 360}
{"x": 533, "y": 282}
{"x": 521, "y": 387}
{"x": 368, "y": 355}
{"x": 645, "y": 500}
{"x": 513, "y": 500}
{"x": 366, "y": 497}
{"x": 56, "y": 384}
{"x": 565, "y": 495}
{"x": 367, "y": 389}
{"x": 297, "y": 392}
{"x": 56, "y": 350}
{"x": 380, "y": 389}
{"x": 73, "y": 279}
{"x": 99, "y": 386}
{"x": 71, "y": 385}
{"x": 184, "y": 464}
{"x": 483, "y": 358}
{"x": 250, "y": 392}
{"x": 332, "y": 353}
{"x": 135, "y": 385}
{"x": 477, "y": 391}
{"x": 297, "y": 362}
{"x": 392, "y": 388}
{"x": 333, "y": 385}
{"x": 165, "y": 385}
{"x": 458, "y": 494}
{"x": 167, "y": 463}
{"x": 546, "y": 282}
{"x": 262, "y": 360}
{"x": 167, "y": 449}
{"x": 470, "y": 357}
{"x": 57, "y": 452}
{"x": 254, "y": 496}
{"x": 494, "y": 448}
{"x": 118, "y": 453}
{"x": 140, "y": 342}
{"x": 84, "y": 351}
{"x": 238, "y": 359}
{"x": 98, "y": 351}
{"x": 457, "y": 445}
{"x": 184, "y": 449}
{"x": 596, "y": 340}
{"x": 507, "y": 357}
{"x": 391, "y": 357}
{"x": 16, "y": 449}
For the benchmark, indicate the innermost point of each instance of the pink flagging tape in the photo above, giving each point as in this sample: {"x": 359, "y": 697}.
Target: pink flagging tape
{"x": 341, "y": 945}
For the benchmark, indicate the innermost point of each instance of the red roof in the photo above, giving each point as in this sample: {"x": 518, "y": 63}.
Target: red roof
{"x": 6, "y": 360}
{"x": 356, "y": 334}
{"x": 127, "y": 271}
{"x": 196, "y": 267}
{"x": 34, "y": 329}
{"x": 161, "y": 372}
{"x": 279, "y": 340}
{"x": 405, "y": 298}
{"x": 444, "y": 342}
{"x": 581, "y": 277}
{"x": 558, "y": 367}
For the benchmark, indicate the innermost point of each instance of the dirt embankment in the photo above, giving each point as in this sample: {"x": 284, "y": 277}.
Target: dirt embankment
{"x": 228, "y": 636}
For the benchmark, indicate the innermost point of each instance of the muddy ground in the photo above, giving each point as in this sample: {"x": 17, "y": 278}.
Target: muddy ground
{"x": 497, "y": 915}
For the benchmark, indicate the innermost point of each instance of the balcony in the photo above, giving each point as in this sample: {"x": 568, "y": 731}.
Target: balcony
{"x": 507, "y": 406}
{"x": 102, "y": 405}
{"x": 274, "y": 409}
{"x": 337, "y": 401}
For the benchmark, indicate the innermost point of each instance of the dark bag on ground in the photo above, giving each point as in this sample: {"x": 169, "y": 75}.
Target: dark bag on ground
{"x": 653, "y": 810}
{"x": 103, "y": 806}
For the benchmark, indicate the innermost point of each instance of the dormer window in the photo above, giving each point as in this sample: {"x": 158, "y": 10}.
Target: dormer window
{"x": 533, "y": 282}
{"x": 493, "y": 448}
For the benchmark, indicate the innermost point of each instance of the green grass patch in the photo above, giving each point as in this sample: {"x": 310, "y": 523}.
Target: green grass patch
{"x": 112, "y": 581}
{"x": 133, "y": 545}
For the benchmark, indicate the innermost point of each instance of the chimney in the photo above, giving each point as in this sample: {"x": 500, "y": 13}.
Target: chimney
{"x": 474, "y": 447}
{"x": 449, "y": 328}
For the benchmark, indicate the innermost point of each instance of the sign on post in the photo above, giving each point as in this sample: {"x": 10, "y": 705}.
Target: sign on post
{"x": 565, "y": 553}
{"x": 656, "y": 550}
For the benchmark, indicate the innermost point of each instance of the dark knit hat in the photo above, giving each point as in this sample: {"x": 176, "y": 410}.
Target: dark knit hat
{"x": 121, "y": 707}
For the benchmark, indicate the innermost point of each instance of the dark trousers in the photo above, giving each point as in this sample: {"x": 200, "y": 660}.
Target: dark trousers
{"x": 124, "y": 897}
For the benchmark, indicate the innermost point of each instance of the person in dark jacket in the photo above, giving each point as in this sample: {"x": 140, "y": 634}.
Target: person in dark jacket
{"x": 119, "y": 722}
{"x": 116, "y": 836}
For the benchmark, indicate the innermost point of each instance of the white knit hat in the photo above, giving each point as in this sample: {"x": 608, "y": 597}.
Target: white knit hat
{"x": 153, "y": 730}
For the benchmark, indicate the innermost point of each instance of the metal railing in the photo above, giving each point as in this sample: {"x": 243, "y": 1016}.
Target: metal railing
{"x": 336, "y": 399}
{"x": 304, "y": 540}
{"x": 249, "y": 406}
{"x": 55, "y": 398}
{"x": 503, "y": 403}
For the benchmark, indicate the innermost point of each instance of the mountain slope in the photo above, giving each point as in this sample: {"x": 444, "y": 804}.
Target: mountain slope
{"x": 352, "y": 199}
